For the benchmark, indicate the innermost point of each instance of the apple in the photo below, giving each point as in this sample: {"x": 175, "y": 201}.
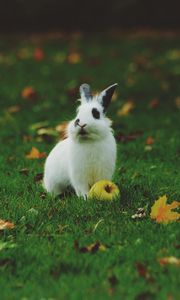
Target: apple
{"x": 104, "y": 190}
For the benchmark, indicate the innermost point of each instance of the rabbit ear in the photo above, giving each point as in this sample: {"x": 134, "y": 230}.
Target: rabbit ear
{"x": 105, "y": 96}
{"x": 85, "y": 92}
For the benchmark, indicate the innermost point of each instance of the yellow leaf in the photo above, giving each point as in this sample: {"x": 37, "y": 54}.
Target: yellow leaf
{"x": 162, "y": 212}
{"x": 34, "y": 153}
{"x": 6, "y": 225}
{"x": 126, "y": 108}
{"x": 172, "y": 260}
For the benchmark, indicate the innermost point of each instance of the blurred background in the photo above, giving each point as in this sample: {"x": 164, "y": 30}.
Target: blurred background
{"x": 42, "y": 15}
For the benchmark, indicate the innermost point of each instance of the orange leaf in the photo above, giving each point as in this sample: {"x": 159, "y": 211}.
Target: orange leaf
{"x": 177, "y": 102}
{"x": 74, "y": 58}
{"x": 149, "y": 140}
{"x": 6, "y": 225}
{"x": 29, "y": 93}
{"x": 34, "y": 153}
{"x": 170, "y": 260}
{"x": 162, "y": 212}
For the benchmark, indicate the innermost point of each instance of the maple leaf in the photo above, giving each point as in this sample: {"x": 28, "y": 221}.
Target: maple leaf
{"x": 35, "y": 153}
{"x": 161, "y": 211}
{"x": 126, "y": 108}
{"x": 6, "y": 225}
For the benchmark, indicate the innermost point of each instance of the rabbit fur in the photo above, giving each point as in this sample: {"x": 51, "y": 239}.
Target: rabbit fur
{"x": 88, "y": 154}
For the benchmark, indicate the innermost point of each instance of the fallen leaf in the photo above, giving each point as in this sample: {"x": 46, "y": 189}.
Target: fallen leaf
{"x": 39, "y": 125}
{"x": 177, "y": 102}
{"x": 162, "y": 212}
{"x": 24, "y": 171}
{"x": 6, "y": 225}
{"x": 154, "y": 103}
{"x": 92, "y": 248}
{"x": 74, "y": 58}
{"x": 34, "y": 153}
{"x": 38, "y": 54}
{"x": 121, "y": 137}
{"x": 150, "y": 141}
{"x": 142, "y": 270}
{"x": 29, "y": 93}
{"x": 170, "y": 260}
{"x": 38, "y": 177}
{"x": 62, "y": 129}
{"x": 24, "y": 53}
{"x": 13, "y": 109}
{"x": 27, "y": 138}
{"x": 46, "y": 134}
{"x": 126, "y": 108}
{"x": 140, "y": 214}
{"x": 115, "y": 96}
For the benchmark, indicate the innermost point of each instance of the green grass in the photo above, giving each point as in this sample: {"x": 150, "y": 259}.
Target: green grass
{"x": 39, "y": 259}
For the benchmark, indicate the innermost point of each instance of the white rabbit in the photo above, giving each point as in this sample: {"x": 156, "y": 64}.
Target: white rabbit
{"x": 88, "y": 154}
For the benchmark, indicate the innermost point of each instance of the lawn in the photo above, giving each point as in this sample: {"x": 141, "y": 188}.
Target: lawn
{"x": 46, "y": 255}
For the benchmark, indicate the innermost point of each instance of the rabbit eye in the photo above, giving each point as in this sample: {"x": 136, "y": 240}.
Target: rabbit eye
{"x": 95, "y": 113}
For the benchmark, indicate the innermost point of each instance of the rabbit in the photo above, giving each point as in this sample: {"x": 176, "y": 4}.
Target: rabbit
{"x": 88, "y": 154}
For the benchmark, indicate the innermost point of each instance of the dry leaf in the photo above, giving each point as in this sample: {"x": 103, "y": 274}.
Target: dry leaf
{"x": 6, "y": 225}
{"x": 126, "y": 108}
{"x": 34, "y": 153}
{"x": 121, "y": 137}
{"x": 24, "y": 53}
{"x": 154, "y": 103}
{"x": 92, "y": 248}
{"x": 149, "y": 141}
{"x": 62, "y": 129}
{"x": 142, "y": 270}
{"x": 177, "y": 102}
{"x": 24, "y": 171}
{"x": 13, "y": 109}
{"x": 162, "y": 212}
{"x": 115, "y": 96}
{"x": 38, "y": 54}
{"x": 74, "y": 58}
{"x": 170, "y": 260}
{"x": 38, "y": 177}
{"x": 29, "y": 93}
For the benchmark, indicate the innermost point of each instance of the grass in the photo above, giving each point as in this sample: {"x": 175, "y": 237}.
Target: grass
{"x": 41, "y": 258}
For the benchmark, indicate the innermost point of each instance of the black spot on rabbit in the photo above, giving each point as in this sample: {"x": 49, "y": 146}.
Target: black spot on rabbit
{"x": 95, "y": 113}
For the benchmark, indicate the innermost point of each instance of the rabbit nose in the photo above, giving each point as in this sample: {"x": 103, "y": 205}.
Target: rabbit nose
{"x": 76, "y": 123}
